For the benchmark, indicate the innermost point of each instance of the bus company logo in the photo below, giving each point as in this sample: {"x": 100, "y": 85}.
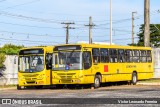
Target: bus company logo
{"x": 6, "y": 101}
{"x": 131, "y": 66}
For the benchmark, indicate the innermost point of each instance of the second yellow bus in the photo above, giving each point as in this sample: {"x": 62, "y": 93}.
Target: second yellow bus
{"x": 95, "y": 64}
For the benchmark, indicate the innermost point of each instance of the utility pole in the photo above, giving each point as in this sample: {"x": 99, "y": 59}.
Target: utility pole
{"x": 90, "y": 25}
{"x": 67, "y": 29}
{"x": 110, "y": 22}
{"x": 133, "y": 27}
{"x": 146, "y": 23}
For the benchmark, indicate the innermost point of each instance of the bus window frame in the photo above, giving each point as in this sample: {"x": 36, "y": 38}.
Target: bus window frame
{"x": 130, "y": 56}
{"x": 116, "y": 58}
{"x": 143, "y": 56}
{"x": 107, "y": 57}
{"x": 96, "y": 62}
{"x": 29, "y": 55}
{"x": 58, "y": 62}
{"x": 123, "y": 57}
{"x": 149, "y": 56}
{"x": 138, "y": 61}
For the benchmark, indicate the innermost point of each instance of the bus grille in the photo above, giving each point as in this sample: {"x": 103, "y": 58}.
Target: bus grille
{"x": 30, "y": 75}
{"x": 31, "y": 82}
{"x": 29, "y": 79}
{"x": 66, "y": 81}
{"x": 66, "y": 77}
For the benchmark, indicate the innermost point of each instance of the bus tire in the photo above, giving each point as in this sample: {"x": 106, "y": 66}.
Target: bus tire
{"x": 134, "y": 78}
{"x": 19, "y": 87}
{"x": 97, "y": 81}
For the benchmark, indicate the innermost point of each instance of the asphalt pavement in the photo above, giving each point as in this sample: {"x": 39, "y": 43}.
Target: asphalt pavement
{"x": 110, "y": 95}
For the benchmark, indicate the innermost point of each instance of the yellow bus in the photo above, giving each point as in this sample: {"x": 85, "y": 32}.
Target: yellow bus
{"x": 34, "y": 66}
{"x": 97, "y": 63}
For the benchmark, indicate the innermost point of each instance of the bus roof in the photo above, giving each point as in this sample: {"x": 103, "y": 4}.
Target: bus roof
{"x": 37, "y": 47}
{"x": 47, "y": 49}
{"x": 106, "y": 46}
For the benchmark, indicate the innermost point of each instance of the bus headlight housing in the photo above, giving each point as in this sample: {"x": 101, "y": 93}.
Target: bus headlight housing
{"x": 80, "y": 76}
{"x": 76, "y": 80}
{"x": 22, "y": 78}
{"x": 41, "y": 76}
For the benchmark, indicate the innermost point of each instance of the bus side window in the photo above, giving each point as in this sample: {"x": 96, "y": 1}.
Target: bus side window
{"x": 128, "y": 55}
{"x": 121, "y": 57}
{"x": 96, "y": 55}
{"x": 104, "y": 55}
{"x": 136, "y": 56}
{"x": 149, "y": 58}
{"x": 113, "y": 55}
{"x": 143, "y": 56}
{"x": 87, "y": 62}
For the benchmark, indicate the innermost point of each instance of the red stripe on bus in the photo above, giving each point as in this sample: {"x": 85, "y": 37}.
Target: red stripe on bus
{"x": 105, "y": 68}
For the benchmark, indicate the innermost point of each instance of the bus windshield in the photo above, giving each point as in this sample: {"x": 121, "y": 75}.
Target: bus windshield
{"x": 33, "y": 63}
{"x": 67, "y": 60}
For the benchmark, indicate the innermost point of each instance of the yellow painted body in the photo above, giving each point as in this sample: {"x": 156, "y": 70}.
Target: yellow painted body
{"x": 116, "y": 71}
{"x": 36, "y": 78}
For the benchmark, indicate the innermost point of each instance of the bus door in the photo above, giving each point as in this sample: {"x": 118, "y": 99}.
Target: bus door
{"x": 49, "y": 67}
{"x": 55, "y": 60}
{"x": 87, "y": 66}
{"x": 96, "y": 60}
{"x": 121, "y": 70}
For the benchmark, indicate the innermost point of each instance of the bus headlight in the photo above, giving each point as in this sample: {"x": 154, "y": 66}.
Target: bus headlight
{"x": 76, "y": 80}
{"x": 22, "y": 79}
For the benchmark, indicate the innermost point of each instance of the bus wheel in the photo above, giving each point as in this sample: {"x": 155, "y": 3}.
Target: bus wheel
{"x": 134, "y": 78}
{"x": 19, "y": 87}
{"x": 39, "y": 87}
{"x": 97, "y": 81}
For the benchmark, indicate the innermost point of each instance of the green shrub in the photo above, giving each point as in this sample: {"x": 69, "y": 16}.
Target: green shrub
{"x": 10, "y": 49}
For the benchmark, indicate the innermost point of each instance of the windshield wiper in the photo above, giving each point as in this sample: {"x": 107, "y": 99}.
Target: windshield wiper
{"x": 69, "y": 57}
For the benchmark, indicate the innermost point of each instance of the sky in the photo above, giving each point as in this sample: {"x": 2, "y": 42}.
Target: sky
{"x": 38, "y": 22}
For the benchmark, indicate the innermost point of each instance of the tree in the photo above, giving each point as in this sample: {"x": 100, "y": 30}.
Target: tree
{"x": 154, "y": 35}
{"x": 10, "y": 49}
{"x": 2, "y": 59}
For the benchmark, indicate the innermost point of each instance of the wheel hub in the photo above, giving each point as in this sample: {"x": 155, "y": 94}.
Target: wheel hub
{"x": 97, "y": 82}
